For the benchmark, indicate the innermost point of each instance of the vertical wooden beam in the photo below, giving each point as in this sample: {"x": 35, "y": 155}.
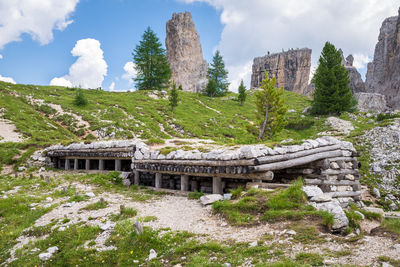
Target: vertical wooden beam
{"x": 75, "y": 164}
{"x": 136, "y": 177}
{"x": 118, "y": 165}
{"x": 217, "y": 185}
{"x": 184, "y": 182}
{"x": 66, "y": 164}
{"x": 87, "y": 164}
{"x": 194, "y": 185}
{"x": 101, "y": 164}
{"x": 158, "y": 183}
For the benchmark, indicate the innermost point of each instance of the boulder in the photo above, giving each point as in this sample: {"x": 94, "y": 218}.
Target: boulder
{"x": 209, "y": 199}
{"x": 333, "y": 207}
{"x": 371, "y": 102}
{"x": 312, "y": 191}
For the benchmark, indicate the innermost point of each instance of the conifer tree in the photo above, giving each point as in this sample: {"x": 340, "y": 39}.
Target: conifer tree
{"x": 173, "y": 97}
{"x": 151, "y": 63}
{"x": 80, "y": 99}
{"x": 211, "y": 89}
{"x": 242, "y": 93}
{"x": 271, "y": 108}
{"x": 219, "y": 74}
{"x": 332, "y": 93}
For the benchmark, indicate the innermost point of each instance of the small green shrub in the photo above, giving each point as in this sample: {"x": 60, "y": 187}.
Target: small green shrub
{"x": 96, "y": 206}
{"x": 312, "y": 259}
{"x": 301, "y": 124}
{"x": 236, "y": 193}
{"x": 80, "y": 99}
{"x": 195, "y": 195}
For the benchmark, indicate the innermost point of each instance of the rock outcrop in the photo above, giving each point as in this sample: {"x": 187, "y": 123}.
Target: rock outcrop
{"x": 291, "y": 69}
{"x": 383, "y": 73}
{"x": 371, "y": 102}
{"x": 184, "y": 53}
{"x": 356, "y": 83}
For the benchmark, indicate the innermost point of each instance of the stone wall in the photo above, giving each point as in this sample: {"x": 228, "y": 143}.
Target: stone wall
{"x": 291, "y": 69}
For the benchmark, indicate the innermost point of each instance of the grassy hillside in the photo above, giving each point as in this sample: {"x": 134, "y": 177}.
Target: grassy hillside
{"x": 143, "y": 115}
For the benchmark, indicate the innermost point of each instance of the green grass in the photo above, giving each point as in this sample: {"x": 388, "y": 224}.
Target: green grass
{"x": 136, "y": 112}
{"x": 195, "y": 195}
{"x": 257, "y": 205}
{"x": 96, "y": 206}
{"x": 392, "y": 225}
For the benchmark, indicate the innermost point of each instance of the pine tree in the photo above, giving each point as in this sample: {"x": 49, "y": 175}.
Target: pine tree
{"x": 271, "y": 107}
{"x": 80, "y": 99}
{"x": 173, "y": 97}
{"x": 242, "y": 93}
{"x": 219, "y": 74}
{"x": 211, "y": 89}
{"x": 332, "y": 93}
{"x": 153, "y": 70}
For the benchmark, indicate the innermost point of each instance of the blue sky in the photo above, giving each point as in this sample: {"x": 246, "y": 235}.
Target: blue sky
{"x": 37, "y": 36}
{"x": 117, "y": 25}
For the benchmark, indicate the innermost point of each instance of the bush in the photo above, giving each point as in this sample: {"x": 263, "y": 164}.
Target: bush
{"x": 195, "y": 195}
{"x": 80, "y": 99}
{"x": 301, "y": 124}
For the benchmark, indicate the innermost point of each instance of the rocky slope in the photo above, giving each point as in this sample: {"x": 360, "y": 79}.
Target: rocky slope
{"x": 184, "y": 53}
{"x": 291, "y": 69}
{"x": 383, "y": 73}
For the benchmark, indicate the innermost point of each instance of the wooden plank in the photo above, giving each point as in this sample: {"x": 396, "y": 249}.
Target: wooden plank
{"x": 266, "y": 185}
{"x": 207, "y": 163}
{"x": 295, "y": 162}
{"x": 264, "y": 176}
{"x": 300, "y": 154}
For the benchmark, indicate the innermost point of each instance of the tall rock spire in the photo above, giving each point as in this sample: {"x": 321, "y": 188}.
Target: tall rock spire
{"x": 184, "y": 53}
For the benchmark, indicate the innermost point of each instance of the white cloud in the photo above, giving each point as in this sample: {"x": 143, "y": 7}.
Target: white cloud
{"x": 112, "y": 86}
{"x": 130, "y": 72}
{"x": 89, "y": 69}
{"x": 360, "y": 61}
{"x": 1, "y": 56}
{"x": 60, "y": 82}
{"x": 37, "y": 18}
{"x": 7, "y": 79}
{"x": 253, "y": 27}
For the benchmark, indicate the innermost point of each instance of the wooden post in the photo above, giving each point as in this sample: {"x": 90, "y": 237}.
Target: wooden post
{"x": 184, "y": 183}
{"x": 66, "y": 164}
{"x": 87, "y": 164}
{"x": 217, "y": 185}
{"x": 136, "y": 177}
{"x": 101, "y": 164}
{"x": 158, "y": 180}
{"x": 118, "y": 165}
{"x": 76, "y": 164}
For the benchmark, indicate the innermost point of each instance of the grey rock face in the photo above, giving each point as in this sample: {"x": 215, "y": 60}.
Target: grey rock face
{"x": 291, "y": 69}
{"x": 356, "y": 83}
{"x": 184, "y": 53}
{"x": 371, "y": 102}
{"x": 209, "y": 199}
{"x": 383, "y": 73}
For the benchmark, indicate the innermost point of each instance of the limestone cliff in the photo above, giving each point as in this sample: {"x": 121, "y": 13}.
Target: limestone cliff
{"x": 291, "y": 69}
{"x": 184, "y": 53}
{"x": 356, "y": 83}
{"x": 383, "y": 75}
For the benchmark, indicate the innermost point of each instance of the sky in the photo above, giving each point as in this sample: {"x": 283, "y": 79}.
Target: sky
{"x": 88, "y": 43}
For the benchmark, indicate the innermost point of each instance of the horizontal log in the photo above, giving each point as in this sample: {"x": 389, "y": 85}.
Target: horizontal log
{"x": 327, "y": 182}
{"x": 339, "y": 172}
{"x": 189, "y": 162}
{"x": 345, "y": 194}
{"x": 300, "y": 154}
{"x": 264, "y": 176}
{"x": 266, "y": 185}
{"x": 295, "y": 162}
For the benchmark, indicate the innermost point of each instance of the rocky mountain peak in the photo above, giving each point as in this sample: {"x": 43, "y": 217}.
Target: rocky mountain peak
{"x": 184, "y": 53}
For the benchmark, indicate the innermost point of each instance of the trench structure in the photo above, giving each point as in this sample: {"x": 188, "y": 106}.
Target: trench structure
{"x": 327, "y": 163}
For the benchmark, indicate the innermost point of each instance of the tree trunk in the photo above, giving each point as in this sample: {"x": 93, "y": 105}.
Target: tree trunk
{"x": 262, "y": 130}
